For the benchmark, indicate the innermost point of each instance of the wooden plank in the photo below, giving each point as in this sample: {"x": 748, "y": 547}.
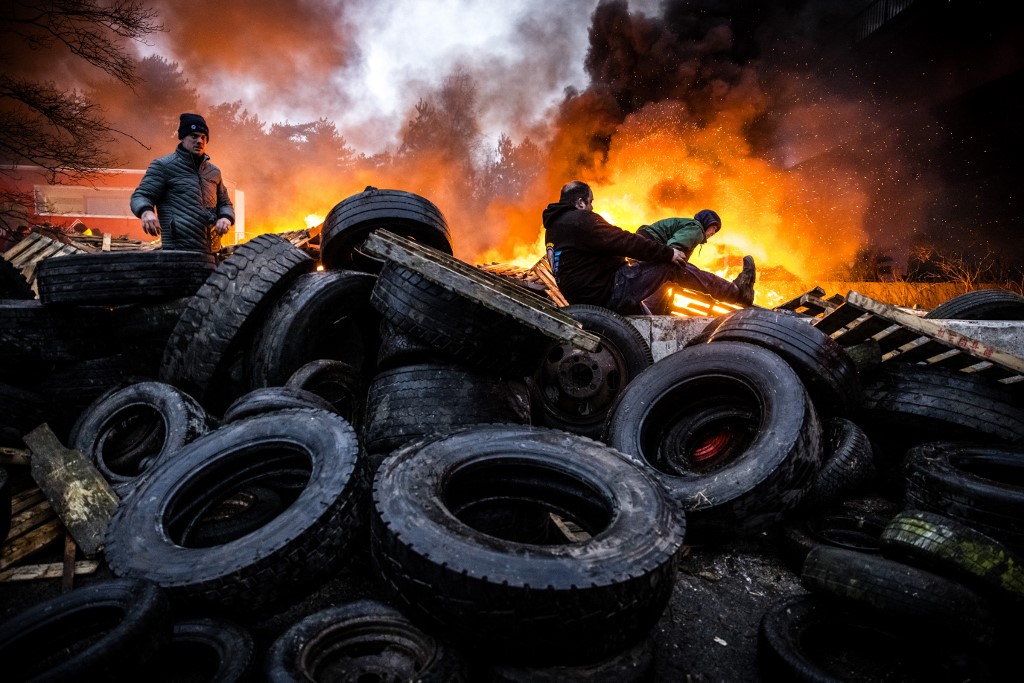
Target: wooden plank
{"x": 30, "y": 518}
{"x": 838, "y": 319}
{"x": 106, "y": 242}
{"x": 900, "y": 336}
{"x": 936, "y": 330}
{"x": 79, "y": 494}
{"x": 486, "y": 289}
{"x": 52, "y": 570}
{"x": 26, "y": 499}
{"x": 67, "y": 579}
{"x": 13, "y": 456}
{"x": 864, "y": 330}
{"x": 18, "y": 548}
{"x": 922, "y": 352}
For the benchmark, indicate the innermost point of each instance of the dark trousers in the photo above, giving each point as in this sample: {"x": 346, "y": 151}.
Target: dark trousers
{"x": 639, "y": 281}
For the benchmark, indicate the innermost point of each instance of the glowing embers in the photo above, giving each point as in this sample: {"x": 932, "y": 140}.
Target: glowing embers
{"x": 689, "y": 303}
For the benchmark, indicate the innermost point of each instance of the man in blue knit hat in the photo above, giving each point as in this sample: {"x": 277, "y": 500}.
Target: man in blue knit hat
{"x": 686, "y": 234}
{"x": 187, "y": 191}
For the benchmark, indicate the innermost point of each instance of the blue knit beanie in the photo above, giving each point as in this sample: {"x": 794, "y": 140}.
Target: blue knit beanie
{"x": 192, "y": 123}
{"x": 707, "y": 218}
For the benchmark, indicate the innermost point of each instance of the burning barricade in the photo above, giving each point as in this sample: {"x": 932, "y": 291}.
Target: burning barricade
{"x": 520, "y": 481}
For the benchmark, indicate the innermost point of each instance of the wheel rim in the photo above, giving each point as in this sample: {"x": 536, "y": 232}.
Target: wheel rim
{"x": 578, "y": 387}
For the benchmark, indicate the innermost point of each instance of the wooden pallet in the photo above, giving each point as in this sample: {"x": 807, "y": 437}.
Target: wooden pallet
{"x": 485, "y": 288}
{"x": 811, "y": 303}
{"x": 908, "y": 338}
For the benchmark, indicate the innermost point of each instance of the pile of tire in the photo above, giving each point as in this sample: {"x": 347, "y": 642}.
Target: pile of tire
{"x": 522, "y": 505}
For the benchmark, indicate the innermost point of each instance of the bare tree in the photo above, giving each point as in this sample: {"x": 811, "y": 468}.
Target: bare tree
{"x": 41, "y": 123}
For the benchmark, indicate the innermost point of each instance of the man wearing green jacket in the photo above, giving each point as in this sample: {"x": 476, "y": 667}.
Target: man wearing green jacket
{"x": 686, "y": 234}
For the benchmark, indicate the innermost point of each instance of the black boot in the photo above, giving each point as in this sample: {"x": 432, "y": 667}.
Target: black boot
{"x": 745, "y": 281}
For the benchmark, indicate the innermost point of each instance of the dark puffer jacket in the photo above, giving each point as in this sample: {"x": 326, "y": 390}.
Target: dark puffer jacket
{"x": 587, "y": 251}
{"x": 188, "y": 195}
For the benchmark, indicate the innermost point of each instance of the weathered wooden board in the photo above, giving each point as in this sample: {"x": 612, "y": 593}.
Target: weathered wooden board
{"x": 52, "y": 570}
{"x": 910, "y": 338}
{"x": 485, "y": 288}
{"x": 79, "y": 494}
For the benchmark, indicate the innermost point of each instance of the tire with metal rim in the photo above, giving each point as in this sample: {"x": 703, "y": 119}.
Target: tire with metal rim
{"x": 363, "y": 640}
{"x": 728, "y": 429}
{"x": 128, "y": 430}
{"x": 352, "y": 220}
{"x": 100, "y": 632}
{"x": 121, "y": 277}
{"x": 290, "y": 554}
{"x": 573, "y": 389}
{"x": 583, "y": 600}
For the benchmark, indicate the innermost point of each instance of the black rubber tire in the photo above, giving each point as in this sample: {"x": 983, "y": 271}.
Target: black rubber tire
{"x": 352, "y": 220}
{"x": 977, "y": 485}
{"x": 291, "y": 554}
{"x": 270, "y": 399}
{"x": 336, "y": 382}
{"x": 121, "y": 277}
{"x": 70, "y": 387}
{"x": 220, "y": 317}
{"x": 207, "y": 649}
{"x": 947, "y": 547}
{"x": 148, "y": 323}
{"x": 399, "y": 348}
{"x": 757, "y": 411}
{"x": 410, "y": 401}
{"x": 849, "y": 467}
{"x": 906, "y": 405}
{"x": 574, "y": 389}
{"x": 238, "y": 515}
{"x": 363, "y": 640}
{"x": 808, "y": 639}
{"x": 21, "y": 411}
{"x": 632, "y": 665}
{"x": 844, "y": 527}
{"x": 567, "y": 603}
{"x": 822, "y": 364}
{"x": 31, "y": 332}
{"x": 13, "y": 284}
{"x": 463, "y": 329}
{"x": 981, "y": 304}
{"x": 894, "y": 588}
{"x": 129, "y": 430}
{"x": 100, "y": 632}
{"x": 322, "y": 315}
